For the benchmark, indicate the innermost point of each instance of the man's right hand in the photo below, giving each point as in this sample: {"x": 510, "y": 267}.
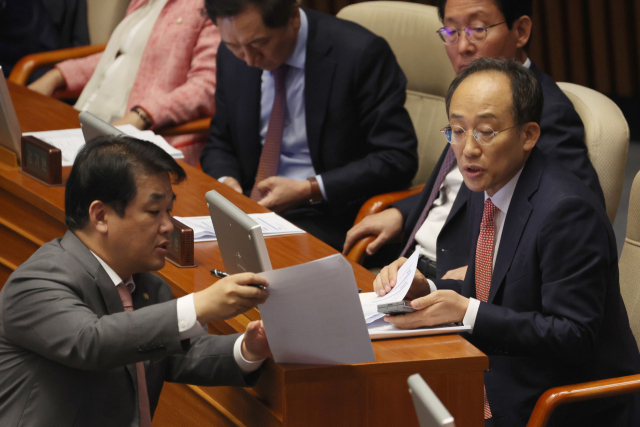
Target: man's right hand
{"x": 48, "y": 83}
{"x": 229, "y": 297}
{"x": 388, "y": 279}
{"x": 233, "y": 183}
{"x": 385, "y": 225}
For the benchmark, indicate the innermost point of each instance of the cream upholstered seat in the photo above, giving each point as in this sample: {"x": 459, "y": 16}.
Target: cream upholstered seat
{"x": 102, "y": 18}
{"x": 630, "y": 261}
{"x": 607, "y": 138}
{"x": 410, "y": 30}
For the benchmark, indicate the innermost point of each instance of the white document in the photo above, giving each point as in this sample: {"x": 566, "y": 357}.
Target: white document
{"x": 380, "y": 330}
{"x": 313, "y": 314}
{"x": 271, "y": 223}
{"x": 397, "y": 293}
{"x": 69, "y": 141}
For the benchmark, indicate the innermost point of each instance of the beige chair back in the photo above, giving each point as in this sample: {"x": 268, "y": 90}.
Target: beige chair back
{"x": 606, "y": 134}
{"x": 102, "y": 18}
{"x": 630, "y": 261}
{"x": 410, "y": 30}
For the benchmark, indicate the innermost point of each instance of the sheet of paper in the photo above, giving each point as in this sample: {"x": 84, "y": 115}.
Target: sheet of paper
{"x": 398, "y": 292}
{"x": 380, "y": 330}
{"x": 69, "y": 141}
{"x": 313, "y": 314}
{"x": 271, "y": 223}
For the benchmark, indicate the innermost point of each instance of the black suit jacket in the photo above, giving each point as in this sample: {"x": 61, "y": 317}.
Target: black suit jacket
{"x": 562, "y": 138}
{"x": 554, "y": 315}
{"x": 68, "y": 349}
{"x": 360, "y": 136}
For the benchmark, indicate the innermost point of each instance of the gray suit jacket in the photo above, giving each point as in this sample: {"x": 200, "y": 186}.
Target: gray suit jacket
{"x": 68, "y": 349}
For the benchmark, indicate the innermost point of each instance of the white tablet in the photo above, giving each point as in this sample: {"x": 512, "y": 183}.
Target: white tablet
{"x": 430, "y": 410}
{"x": 10, "y": 132}
{"x": 239, "y": 237}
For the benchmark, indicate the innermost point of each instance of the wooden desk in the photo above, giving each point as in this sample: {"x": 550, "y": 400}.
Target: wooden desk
{"x": 368, "y": 394}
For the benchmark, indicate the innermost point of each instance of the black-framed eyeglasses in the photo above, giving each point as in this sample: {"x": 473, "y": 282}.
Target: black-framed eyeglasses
{"x": 485, "y": 135}
{"x": 450, "y": 35}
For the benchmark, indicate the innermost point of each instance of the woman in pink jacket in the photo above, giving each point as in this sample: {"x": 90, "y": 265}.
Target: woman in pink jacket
{"x": 158, "y": 69}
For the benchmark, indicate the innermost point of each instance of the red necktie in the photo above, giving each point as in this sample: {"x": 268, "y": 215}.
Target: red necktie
{"x": 484, "y": 265}
{"x": 447, "y": 164}
{"x": 270, "y": 156}
{"x": 143, "y": 396}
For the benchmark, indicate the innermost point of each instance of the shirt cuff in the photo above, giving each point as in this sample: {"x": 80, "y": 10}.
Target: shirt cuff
{"x": 321, "y": 185}
{"x": 188, "y": 325}
{"x": 432, "y": 285}
{"x": 245, "y": 365}
{"x": 471, "y": 314}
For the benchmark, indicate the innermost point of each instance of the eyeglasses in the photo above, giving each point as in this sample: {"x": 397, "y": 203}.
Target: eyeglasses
{"x": 483, "y": 134}
{"x": 450, "y": 35}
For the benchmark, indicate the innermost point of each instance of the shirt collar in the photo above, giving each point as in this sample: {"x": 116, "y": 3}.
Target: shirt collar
{"x": 299, "y": 54}
{"x": 502, "y": 198}
{"x": 527, "y": 63}
{"x": 114, "y": 276}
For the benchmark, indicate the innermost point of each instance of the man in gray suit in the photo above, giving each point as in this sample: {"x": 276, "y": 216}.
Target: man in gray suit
{"x": 87, "y": 335}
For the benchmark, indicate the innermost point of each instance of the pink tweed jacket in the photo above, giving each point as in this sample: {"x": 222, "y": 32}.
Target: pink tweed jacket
{"x": 177, "y": 76}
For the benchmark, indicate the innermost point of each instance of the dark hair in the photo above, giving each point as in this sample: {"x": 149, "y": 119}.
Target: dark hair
{"x": 106, "y": 168}
{"x": 511, "y": 9}
{"x": 526, "y": 99}
{"x": 275, "y": 13}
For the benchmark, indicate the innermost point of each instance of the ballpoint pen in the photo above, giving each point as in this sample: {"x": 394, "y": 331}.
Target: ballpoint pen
{"x": 221, "y": 274}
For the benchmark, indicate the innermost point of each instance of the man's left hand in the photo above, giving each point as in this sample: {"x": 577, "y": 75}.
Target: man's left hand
{"x": 437, "y": 308}
{"x": 281, "y": 194}
{"x": 255, "y": 345}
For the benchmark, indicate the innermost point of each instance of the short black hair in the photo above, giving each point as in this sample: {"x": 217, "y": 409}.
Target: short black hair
{"x": 275, "y": 13}
{"x": 511, "y": 9}
{"x": 106, "y": 168}
{"x": 527, "y": 98}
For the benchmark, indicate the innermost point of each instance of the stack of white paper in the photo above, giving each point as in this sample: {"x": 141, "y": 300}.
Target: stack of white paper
{"x": 69, "y": 141}
{"x": 398, "y": 292}
{"x": 271, "y": 223}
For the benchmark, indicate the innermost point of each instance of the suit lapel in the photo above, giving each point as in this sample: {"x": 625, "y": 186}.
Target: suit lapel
{"x": 248, "y": 107}
{"x": 458, "y": 203}
{"x": 318, "y": 74}
{"x": 517, "y": 217}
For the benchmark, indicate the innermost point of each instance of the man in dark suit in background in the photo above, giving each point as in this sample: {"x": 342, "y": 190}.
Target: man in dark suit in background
{"x": 475, "y": 29}
{"x": 87, "y": 335}
{"x": 339, "y": 132}
{"x": 542, "y": 293}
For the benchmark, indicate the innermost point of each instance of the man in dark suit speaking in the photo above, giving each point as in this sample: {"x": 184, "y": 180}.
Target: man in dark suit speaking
{"x": 542, "y": 292}
{"x": 310, "y": 118}
{"x": 435, "y": 218}
{"x": 87, "y": 335}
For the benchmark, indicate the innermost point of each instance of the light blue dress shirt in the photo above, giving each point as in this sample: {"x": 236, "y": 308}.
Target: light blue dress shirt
{"x": 295, "y": 159}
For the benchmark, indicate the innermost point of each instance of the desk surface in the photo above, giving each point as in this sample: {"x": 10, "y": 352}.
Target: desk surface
{"x": 372, "y": 393}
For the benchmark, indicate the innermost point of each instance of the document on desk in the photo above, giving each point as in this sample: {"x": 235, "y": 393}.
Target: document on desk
{"x": 271, "y": 223}
{"x": 313, "y": 314}
{"x": 399, "y": 291}
{"x": 69, "y": 141}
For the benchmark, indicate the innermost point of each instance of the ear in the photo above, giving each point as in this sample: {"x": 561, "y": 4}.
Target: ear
{"x": 529, "y": 134}
{"x": 522, "y": 30}
{"x": 98, "y": 216}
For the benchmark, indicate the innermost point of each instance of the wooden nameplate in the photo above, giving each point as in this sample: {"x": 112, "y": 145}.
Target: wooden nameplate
{"x": 181, "y": 253}
{"x": 41, "y": 161}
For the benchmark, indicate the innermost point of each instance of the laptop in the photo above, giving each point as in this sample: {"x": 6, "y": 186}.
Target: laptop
{"x": 431, "y": 412}
{"x": 10, "y": 133}
{"x": 239, "y": 237}
{"x": 92, "y": 126}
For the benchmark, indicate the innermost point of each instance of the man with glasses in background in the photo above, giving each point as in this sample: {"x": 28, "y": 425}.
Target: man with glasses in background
{"x": 436, "y": 218}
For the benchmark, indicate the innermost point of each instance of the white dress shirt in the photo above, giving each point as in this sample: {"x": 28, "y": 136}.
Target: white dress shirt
{"x": 427, "y": 235}
{"x": 502, "y": 200}
{"x": 187, "y": 319}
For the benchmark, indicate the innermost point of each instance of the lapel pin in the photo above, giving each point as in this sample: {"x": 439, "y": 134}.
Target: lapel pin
{"x": 179, "y": 21}
{"x": 145, "y": 295}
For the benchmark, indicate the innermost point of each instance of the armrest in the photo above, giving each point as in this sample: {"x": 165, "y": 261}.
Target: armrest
{"x": 195, "y": 126}
{"x": 23, "y": 69}
{"x": 557, "y": 396}
{"x": 374, "y": 205}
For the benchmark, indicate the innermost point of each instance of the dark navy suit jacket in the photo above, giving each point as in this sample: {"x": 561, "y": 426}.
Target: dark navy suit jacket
{"x": 562, "y": 138}
{"x": 360, "y": 136}
{"x": 554, "y": 315}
